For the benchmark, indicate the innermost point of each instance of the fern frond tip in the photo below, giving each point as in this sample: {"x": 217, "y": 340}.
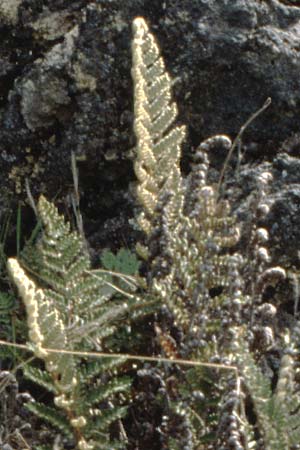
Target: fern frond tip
{"x": 139, "y": 26}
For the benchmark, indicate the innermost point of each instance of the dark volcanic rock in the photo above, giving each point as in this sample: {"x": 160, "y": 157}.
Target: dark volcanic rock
{"x": 65, "y": 86}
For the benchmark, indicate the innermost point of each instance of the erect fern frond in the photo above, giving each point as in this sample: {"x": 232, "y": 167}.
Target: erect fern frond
{"x": 59, "y": 259}
{"x": 277, "y": 414}
{"x": 67, "y": 308}
{"x": 60, "y": 264}
{"x": 46, "y": 325}
{"x": 187, "y": 228}
{"x": 158, "y": 146}
{"x": 185, "y": 242}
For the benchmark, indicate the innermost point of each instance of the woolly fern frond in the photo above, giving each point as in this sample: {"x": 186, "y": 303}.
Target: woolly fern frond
{"x": 187, "y": 227}
{"x": 277, "y": 413}
{"x": 59, "y": 262}
{"x": 188, "y": 233}
{"x": 68, "y": 308}
{"x": 158, "y": 145}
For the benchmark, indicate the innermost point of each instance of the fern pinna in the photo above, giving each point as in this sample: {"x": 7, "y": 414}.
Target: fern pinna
{"x": 67, "y": 308}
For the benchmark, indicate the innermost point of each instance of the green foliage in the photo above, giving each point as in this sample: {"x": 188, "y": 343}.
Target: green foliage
{"x": 190, "y": 227}
{"x": 40, "y": 377}
{"x": 68, "y": 308}
{"x": 199, "y": 287}
{"x": 193, "y": 271}
{"x": 7, "y": 306}
{"x": 51, "y": 415}
{"x": 121, "y": 268}
{"x": 124, "y": 262}
{"x": 60, "y": 263}
{"x": 188, "y": 231}
{"x": 158, "y": 144}
{"x": 277, "y": 412}
{"x": 10, "y": 325}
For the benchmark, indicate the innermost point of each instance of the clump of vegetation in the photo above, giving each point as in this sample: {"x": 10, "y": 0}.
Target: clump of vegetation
{"x": 202, "y": 384}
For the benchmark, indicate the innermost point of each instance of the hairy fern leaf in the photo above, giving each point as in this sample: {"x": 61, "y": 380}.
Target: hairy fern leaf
{"x": 99, "y": 367}
{"x": 105, "y": 391}
{"x": 187, "y": 228}
{"x": 158, "y": 146}
{"x": 59, "y": 262}
{"x": 52, "y": 416}
{"x": 278, "y": 417}
{"x": 40, "y": 377}
{"x": 68, "y": 309}
{"x": 105, "y": 418}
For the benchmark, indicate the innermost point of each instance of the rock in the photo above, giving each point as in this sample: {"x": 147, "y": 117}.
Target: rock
{"x": 9, "y": 11}
{"x": 66, "y": 86}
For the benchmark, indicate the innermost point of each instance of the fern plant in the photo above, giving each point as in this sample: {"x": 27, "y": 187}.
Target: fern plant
{"x": 158, "y": 145}
{"x": 195, "y": 275}
{"x": 68, "y": 309}
{"x": 276, "y": 410}
{"x": 187, "y": 229}
{"x": 207, "y": 288}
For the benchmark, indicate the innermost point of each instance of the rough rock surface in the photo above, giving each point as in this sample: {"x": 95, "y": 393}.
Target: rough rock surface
{"x": 65, "y": 86}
